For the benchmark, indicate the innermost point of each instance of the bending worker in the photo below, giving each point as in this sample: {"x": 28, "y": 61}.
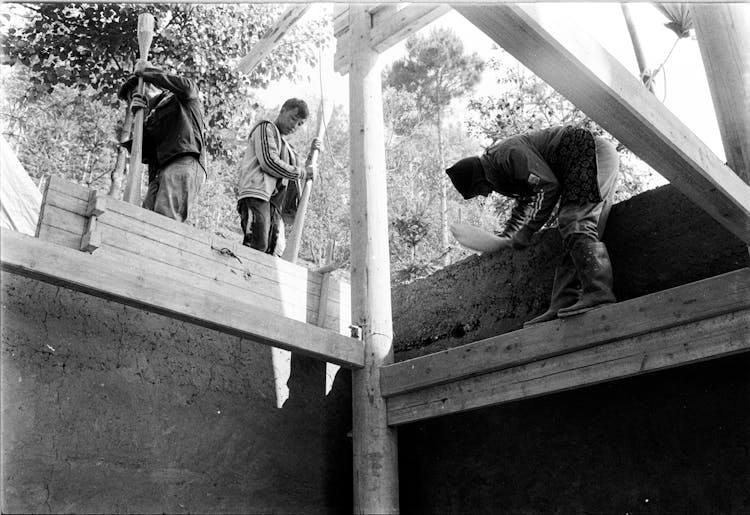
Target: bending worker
{"x": 173, "y": 139}
{"x": 538, "y": 169}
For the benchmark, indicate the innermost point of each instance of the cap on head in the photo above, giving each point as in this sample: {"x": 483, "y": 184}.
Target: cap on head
{"x": 464, "y": 174}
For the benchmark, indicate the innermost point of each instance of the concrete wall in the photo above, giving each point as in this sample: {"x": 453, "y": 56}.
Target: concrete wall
{"x": 670, "y": 442}
{"x": 107, "y": 409}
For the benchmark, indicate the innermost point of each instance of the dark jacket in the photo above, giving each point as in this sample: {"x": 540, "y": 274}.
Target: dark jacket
{"x": 538, "y": 168}
{"x": 174, "y": 124}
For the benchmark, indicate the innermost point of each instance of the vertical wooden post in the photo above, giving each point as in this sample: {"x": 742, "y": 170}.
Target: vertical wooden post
{"x": 375, "y": 449}
{"x": 723, "y": 34}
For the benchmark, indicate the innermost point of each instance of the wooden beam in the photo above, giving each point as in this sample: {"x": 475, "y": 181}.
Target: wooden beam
{"x": 581, "y": 70}
{"x": 271, "y": 37}
{"x": 133, "y": 282}
{"x": 375, "y": 447}
{"x": 390, "y": 24}
{"x": 656, "y": 312}
{"x": 723, "y": 34}
{"x": 681, "y": 345}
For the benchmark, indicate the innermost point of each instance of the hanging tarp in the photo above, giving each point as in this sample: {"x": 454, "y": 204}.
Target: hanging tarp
{"x": 680, "y": 19}
{"x": 20, "y": 200}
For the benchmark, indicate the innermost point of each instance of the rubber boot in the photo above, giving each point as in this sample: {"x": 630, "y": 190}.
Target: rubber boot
{"x": 565, "y": 290}
{"x": 595, "y": 271}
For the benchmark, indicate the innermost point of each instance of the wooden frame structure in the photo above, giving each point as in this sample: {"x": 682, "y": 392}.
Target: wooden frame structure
{"x": 111, "y": 249}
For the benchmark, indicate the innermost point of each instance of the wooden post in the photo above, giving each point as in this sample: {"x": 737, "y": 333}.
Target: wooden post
{"x": 375, "y": 449}
{"x": 133, "y": 183}
{"x": 723, "y": 34}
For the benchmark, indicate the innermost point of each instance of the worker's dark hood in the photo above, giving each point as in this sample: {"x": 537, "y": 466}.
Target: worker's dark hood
{"x": 465, "y": 174}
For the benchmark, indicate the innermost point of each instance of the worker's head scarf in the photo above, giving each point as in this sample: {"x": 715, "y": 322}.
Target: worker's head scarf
{"x": 465, "y": 174}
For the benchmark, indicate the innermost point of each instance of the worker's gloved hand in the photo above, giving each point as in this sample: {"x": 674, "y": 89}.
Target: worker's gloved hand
{"x": 138, "y": 101}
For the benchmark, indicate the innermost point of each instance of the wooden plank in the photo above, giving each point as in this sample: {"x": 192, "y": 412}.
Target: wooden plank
{"x": 179, "y": 230}
{"x": 723, "y": 34}
{"x": 294, "y": 291}
{"x": 580, "y": 69}
{"x": 691, "y": 302}
{"x": 64, "y": 220}
{"x": 156, "y": 227}
{"x": 681, "y": 345}
{"x": 271, "y": 37}
{"x": 390, "y": 25}
{"x": 294, "y": 297}
{"x": 135, "y": 284}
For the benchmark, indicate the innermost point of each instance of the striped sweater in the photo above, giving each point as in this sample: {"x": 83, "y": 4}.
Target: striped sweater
{"x": 268, "y": 163}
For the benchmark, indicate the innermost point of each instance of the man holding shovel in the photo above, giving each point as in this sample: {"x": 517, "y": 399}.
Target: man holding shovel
{"x": 267, "y": 168}
{"x": 538, "y": 169}
{"x": 173, "y": 139}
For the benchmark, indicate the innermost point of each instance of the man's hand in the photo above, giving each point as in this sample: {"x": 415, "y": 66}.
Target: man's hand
{"x": 315, "y": 145}
{"x": 137, "y": 102}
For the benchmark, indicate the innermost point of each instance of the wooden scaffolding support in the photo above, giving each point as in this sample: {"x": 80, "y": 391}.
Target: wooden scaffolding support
{"x": 375, "y": 450}
{"x": 148, "y": 261}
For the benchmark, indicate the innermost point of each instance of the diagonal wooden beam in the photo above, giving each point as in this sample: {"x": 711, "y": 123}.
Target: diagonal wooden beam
{"x": 581, "y": 70}
{"x": 265, "y": 44}
{"x": 656, "y": 312}
{"x": 135, "y": 284}
{"x": 390, "y": 24}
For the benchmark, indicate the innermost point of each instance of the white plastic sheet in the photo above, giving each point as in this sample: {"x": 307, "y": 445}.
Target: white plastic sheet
{"x": 20, "y": 200}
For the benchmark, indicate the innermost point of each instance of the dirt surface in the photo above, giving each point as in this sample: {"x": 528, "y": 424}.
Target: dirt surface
{"x": 669, "y": 442}
{"x": 656, "y": 241}
{"x": 108, "y": 409}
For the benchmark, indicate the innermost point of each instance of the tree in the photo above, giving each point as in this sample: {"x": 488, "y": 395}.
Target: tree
{"x": 437, "y": 70}
{"x": 93, "y": 47}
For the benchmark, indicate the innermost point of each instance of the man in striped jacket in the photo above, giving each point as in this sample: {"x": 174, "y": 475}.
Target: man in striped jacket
{"x": 266, "y": 168}
{"x": 561, "y": 164}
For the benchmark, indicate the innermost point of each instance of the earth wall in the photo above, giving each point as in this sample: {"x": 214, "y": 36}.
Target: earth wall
{"x": 109, "y": 409}
{"x": 674, "y": 441}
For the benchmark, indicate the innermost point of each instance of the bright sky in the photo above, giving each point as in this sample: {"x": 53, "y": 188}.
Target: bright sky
{"x": 685, "y": 92}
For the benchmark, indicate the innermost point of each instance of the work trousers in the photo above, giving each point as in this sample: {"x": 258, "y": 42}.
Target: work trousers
{"x": 175, "y": 188}
{"x": 590, "y": 219}
{"x": 262, "y": 225}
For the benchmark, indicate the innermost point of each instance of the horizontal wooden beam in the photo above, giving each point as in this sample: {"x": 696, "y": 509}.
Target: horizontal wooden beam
{"x": 390, "y": 24}
{"x": 656, "y": 312}
{"x": 271, "y": 37}
{"x": 581, "y": 70}
{"x": 681, "y": 345}
{"x": 133, "y": 282}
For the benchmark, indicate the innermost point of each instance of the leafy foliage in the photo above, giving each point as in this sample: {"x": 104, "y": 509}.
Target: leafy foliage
{"x": 95, "y": 46}
{"x": 436, "y": 69}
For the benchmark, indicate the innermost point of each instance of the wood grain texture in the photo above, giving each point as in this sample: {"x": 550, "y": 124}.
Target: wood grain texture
{"x": 688, "y": 303}
{"x": 681, "y": 345}
{"x": 137, "y": 284}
